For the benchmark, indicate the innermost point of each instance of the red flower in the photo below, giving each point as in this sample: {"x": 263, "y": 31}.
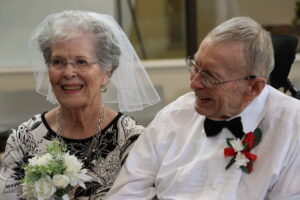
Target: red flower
{"x": 237, "y": 148}
{"x": 229, "y": 152}
{"x": 249, "y": 138}
{"x": 250, "y": 156}
{"x": 249, "y": 167}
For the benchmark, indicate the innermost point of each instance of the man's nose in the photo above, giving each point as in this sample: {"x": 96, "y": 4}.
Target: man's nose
{"x": 196, "y": 81}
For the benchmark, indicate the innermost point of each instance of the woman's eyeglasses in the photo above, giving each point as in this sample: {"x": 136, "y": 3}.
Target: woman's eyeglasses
{"x": 79, "y": 64}
{"x": 206, "y": 78}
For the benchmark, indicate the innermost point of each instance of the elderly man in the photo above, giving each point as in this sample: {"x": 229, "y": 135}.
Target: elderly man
{"x": 233, "y": 138}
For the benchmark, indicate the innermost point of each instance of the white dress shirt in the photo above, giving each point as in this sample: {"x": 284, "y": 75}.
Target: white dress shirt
{"x": 175, "y": 160}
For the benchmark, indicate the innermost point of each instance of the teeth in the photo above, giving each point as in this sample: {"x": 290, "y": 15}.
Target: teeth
{"x": 72, "y": 87}
{"x": 203, "y": 98}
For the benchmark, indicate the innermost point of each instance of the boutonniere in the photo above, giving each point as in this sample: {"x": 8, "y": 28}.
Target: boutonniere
{"x": 53, "y": 175}
{"x": 240, "y": 149}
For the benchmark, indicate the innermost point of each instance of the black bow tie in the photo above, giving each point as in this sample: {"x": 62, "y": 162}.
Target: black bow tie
{"x": 212, "y": 128}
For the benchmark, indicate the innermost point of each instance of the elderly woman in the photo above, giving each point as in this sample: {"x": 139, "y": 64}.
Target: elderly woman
{"x": 75, "y": 53}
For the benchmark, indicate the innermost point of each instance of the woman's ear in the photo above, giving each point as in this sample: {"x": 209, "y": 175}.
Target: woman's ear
{"x": 106, "y": 75}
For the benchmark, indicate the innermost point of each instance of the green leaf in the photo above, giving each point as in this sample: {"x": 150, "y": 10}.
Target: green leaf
{"x": 245, "y": 146}
{"x": 258, "y": 135}
{"x": 232, "y": 160}
{"x": 56, "y": 149}
{"x": 228, "y": 141}
{"x": 245, "y": 169}
{"x": 32, "y": 174}
{"x": 61, "y": 192}
{"x": 56, "y": 166}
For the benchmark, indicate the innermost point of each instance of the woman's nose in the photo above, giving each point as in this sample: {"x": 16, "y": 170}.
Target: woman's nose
{"x": 69, "y": 70}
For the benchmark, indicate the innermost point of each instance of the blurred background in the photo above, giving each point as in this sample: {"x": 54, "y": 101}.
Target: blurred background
{"x": 163, "y": 32}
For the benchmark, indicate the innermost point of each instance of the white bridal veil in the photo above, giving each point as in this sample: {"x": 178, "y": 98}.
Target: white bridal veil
{"x": 131, "y": 87}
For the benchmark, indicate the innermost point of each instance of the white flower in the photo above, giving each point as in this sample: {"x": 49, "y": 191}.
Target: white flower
{"x": 28, "y": 190}
{"x": 83, "y": 177}
{"x": 72, "y": 164}
{"x": 237, "y": 145}
{"x": 38, "y": 161}
{"x": 241, "y": 160}
{"x": 60, "y": 181}
{"x": 79, "y": 178}
{"x": 44, "y": 188}
{"x": 65, "y": 197}
{"x": 33, "y": 161}
{"x": 74, "y": 172}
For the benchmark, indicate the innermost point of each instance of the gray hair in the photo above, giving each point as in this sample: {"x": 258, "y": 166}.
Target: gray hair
{"x": 69, "y": 24}
{"x": 256, "y": 41}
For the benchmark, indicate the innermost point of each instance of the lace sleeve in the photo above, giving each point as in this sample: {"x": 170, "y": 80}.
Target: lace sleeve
{"x": 129, "y": 131}
{"x": 19, "y": 143}
{"x": 11, "y": 172}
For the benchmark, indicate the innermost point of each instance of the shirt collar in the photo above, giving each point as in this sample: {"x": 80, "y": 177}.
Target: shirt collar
{"x": 253, "y": 113}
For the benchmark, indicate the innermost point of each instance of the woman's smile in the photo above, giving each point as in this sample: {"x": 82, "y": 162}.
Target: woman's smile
{"x": 72, "y": 88}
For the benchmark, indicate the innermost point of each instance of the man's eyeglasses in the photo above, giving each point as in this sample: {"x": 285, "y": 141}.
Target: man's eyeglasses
{"x": 79, "y": 64}
{"x": 206, "y": 78}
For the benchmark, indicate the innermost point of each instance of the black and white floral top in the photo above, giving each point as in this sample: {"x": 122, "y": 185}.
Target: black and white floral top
{"x": 104, "y": 164}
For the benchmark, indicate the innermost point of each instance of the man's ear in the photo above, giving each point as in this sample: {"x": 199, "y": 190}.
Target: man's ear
{"x": 256, "y": 86}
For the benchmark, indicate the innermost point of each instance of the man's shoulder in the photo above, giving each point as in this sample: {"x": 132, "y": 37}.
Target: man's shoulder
{"x": 281, "y": 108}
{"x": 280, "y": 101}
{"x": 175, "y": 120}
{"x": 183, "y": 103}
{"x": 178, "y": 111}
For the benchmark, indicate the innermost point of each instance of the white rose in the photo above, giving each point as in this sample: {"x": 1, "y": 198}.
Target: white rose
{"x": 44, "y": 188}
{"x": 60, "y": 181}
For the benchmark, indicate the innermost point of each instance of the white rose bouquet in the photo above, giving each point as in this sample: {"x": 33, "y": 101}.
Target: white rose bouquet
{"x": 53, "y": 175}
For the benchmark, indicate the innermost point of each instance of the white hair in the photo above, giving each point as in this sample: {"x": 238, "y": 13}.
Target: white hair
{"x": 255, "y": 40}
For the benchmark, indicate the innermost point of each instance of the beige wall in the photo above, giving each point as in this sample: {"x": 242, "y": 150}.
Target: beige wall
{"x": 18, "y": 18}
{"x": 16, "y": 80}
{"x": 265, "y": 12}
{"x": 268, "y": 12}
{"x": 155, "y": 20}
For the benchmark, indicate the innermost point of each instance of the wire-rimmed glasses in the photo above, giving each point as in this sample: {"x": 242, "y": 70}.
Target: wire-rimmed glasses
{"x": 80, "y": 64}
{"x": 206, "y": 78}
